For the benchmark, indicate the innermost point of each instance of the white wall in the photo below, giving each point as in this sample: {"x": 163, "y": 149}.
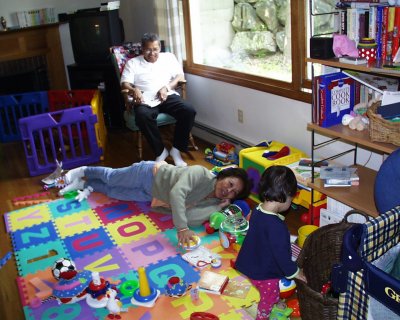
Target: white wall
{"x": 138, "y": 17}
{"x": 266, "y": 117}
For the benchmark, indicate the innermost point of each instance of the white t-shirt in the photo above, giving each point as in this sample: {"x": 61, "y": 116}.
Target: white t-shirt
{"x": 151, "y": 77}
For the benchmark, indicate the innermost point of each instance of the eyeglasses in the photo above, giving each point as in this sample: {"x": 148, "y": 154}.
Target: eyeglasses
{"x": 148, "y": 51}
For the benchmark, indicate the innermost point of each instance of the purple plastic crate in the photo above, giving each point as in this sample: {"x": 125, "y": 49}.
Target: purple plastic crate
{"x": 66, "y": 135}
{"x": 16, "y": 106}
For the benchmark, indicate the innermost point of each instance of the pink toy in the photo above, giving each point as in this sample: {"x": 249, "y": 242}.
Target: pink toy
{"x": 343, "y": 46}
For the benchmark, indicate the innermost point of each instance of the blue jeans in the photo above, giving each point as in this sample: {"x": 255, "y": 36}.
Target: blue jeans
{"x": 133, "y": 183}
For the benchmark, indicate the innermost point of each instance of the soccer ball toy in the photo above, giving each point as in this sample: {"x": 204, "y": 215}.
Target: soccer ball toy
{"x": 64, "y": 268}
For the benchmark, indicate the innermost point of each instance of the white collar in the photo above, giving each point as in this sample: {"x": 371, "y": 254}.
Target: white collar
{"x": 259, "y": 207}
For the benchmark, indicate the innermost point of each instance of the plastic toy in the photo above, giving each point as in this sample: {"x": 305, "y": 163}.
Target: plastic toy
{"x": 232, "y": 232}
{"x": 145, "y": 295}
{"x": 193, "y": 244}
{"x": 127, "y": 288}
{"x": 264, "y": 143}
{"x": 50, "y": 179}
{"x": 287, "y": 287}
{"x": 113, "y": 305}
{"x": 97, "y": 291}
{"x": 294, "y": 304}
{"x": 72, "y": 285}
{"x": 280, "y": 312}
{"x": 6, "y": 257}
{"x": 238, "y": 208}
{"x": 274, "y": 155}
{"x": 222, "y": 155}
{"x": 176, "y": 287}
{"x": 203, "y": 316}
{"x": 217, "y": 169}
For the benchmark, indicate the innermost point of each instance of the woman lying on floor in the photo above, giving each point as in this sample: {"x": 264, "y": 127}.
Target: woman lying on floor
{"x": 191, "y": 194}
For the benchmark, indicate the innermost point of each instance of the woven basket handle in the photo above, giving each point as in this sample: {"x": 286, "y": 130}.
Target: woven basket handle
{"x": 349, "y": 213}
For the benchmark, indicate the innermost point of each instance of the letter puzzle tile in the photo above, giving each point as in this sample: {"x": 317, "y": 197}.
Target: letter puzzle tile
{"x": 34, "y": 235}
{"x": 117, "y": 211}
{"x": 87, "y": 242}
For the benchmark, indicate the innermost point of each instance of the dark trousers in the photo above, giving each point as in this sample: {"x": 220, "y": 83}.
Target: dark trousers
{"x": 181, "y": 110}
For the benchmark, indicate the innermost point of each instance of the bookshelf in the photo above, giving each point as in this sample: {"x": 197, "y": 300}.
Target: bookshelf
{"x": 358, "y": 197}
{"x": 375, "y": 67}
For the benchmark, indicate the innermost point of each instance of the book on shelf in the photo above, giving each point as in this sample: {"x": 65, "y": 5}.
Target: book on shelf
{"x": 377, "y": 83}
{"x": 336, "y": 98}
{"x": 379, "y": 28}
{"x": 384, "y": 34}
{"x": 396, "y": 30}
{"x": 372, "y": 22}
{"x": 213, "y": 282}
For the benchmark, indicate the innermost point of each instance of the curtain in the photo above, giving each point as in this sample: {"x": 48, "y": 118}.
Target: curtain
{"x": 169, "y": 26}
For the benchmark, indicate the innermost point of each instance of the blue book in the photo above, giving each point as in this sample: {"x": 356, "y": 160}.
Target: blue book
{"x": 336, "y": 98}
{"x": 379, "y": 31}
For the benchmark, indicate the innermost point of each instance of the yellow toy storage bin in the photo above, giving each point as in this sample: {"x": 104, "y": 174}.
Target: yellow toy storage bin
{"x": 100, "y": 127}
{"x": 303, "y": 198}
{"x": 252, "y": 160}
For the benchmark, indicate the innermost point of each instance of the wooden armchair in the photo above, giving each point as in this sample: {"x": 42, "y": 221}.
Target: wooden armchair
{"x": 120, "y": 55}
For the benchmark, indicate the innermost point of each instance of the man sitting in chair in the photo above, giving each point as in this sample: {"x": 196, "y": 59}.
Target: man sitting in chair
{"x": 150, "y": 80}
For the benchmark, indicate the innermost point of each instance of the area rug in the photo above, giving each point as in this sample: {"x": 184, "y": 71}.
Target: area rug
{"x": 114, "y": 238}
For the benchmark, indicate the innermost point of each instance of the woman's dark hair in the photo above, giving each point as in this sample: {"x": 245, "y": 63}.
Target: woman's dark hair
{"x": 277, "y": 183}
{"x": 149, "y": 37}
{"x": 240, "y": 174}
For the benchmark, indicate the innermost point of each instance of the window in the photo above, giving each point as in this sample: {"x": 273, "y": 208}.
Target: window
{"x": 260, "y": 45}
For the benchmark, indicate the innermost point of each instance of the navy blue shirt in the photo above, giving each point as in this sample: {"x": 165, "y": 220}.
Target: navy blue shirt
{"x": 266, "y": 251}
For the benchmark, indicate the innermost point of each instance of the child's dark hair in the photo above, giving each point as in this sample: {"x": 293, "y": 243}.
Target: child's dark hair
{"x": 240, "y": 174}
{"x": 277, "y": 183}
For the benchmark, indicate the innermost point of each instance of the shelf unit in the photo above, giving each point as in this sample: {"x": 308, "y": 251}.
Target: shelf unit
{"x": 358, "y": 197}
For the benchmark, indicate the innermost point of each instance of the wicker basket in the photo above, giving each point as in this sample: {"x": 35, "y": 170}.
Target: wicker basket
{"x": 320, "y": 252}
{"x": 382, "y": 130}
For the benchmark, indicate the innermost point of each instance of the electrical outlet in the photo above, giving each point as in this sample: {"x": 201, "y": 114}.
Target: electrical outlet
{"x": 240, "y": 115}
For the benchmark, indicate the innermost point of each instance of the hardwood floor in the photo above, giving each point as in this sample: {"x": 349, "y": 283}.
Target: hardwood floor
{"x": 15, "y": 181}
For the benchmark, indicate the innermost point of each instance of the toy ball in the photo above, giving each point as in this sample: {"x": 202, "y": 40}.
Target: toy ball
{"x": 63, "y": 268}
{"x": 305, "y": 218}
{"x": 287, "y": 288}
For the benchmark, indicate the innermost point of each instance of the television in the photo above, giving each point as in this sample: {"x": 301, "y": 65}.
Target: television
{"x": 93, "y": 32}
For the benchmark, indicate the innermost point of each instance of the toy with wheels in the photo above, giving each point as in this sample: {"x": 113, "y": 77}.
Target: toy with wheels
{"x": 239, "y": 208}
{"x": 232, "y": 232}
{"x": 222, "y": 155}
{"x": 72, "y": 285}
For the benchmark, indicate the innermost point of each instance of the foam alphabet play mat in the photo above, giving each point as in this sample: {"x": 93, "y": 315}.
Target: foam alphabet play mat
{"x": 109, "y": 241}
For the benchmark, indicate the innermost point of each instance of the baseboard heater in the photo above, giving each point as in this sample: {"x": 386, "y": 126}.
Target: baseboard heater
{"x": 229, "y": 138}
